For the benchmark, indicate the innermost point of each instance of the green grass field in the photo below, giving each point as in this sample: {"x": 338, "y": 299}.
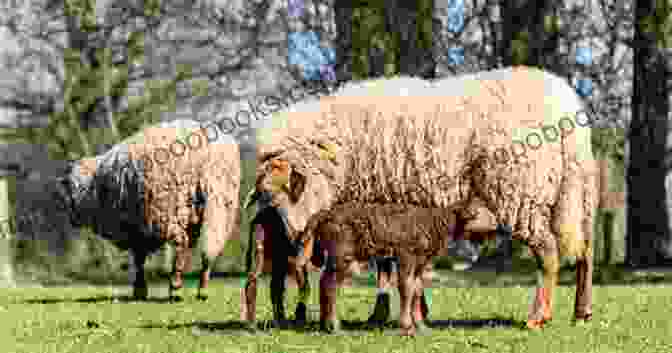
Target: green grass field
{"x": 627, "y": 318}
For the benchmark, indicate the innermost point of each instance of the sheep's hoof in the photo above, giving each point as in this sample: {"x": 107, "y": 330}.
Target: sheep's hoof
{"x": 381, "y": 311}
{"x": 300, "y": 314}
{"x": 140, "y": 293}
{"x": 330, "y": 326}
{"x": 535, "y": 324}
{"x": 202, "y": 294}
{"x": 175, "y": 294}
{"x": 281, "y": 324}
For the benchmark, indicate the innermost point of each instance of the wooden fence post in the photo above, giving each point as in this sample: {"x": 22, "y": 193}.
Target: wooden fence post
{"x": 8, "y": 224}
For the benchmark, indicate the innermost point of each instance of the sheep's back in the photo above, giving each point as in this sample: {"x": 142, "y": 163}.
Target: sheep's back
{"x": 430, "y": 145}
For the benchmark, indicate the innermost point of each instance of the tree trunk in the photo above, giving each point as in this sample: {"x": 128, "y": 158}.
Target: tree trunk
{"x": 648, "y": 223}
{"x": 7, "y": 232}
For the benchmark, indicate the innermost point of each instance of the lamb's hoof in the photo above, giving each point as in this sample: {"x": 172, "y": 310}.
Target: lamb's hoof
{"x": 408, "y": 331}
{"x": 300, "y": 314}
{"x": 250, "y": 326}
{"x": 381, "y": 311}
{"x": 175, "y": 294}
{"x": 583, "y": 318}
{"x": 140, "y": 293}
{"x": 330, "y": 326}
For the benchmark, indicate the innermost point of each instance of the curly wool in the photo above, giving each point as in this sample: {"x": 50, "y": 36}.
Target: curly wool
{"x": 439, "y": 143}
{"x": 126, "y": 192}
{"x": 384, "y": 230}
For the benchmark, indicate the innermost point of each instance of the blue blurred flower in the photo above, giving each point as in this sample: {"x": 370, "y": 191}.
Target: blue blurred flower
{"x": 455, "y": 21}
{"x": 455, "y": 5}
{"x": 305, "y": 51}
{"x": 583, "y": 56}
{"x": 584, "y": 87}
{"x": 295, "y": 8}
{"x": 456, "y": 55}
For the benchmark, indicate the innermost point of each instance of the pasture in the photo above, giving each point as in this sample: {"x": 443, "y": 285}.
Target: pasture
{"x": 628, "y": 317}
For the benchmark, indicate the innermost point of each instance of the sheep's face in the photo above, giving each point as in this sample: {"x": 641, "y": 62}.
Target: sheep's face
{"x": 72, "y": 189}
{"x": 283, "y": 183}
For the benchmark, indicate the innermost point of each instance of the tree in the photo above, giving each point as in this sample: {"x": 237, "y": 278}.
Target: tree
{"x": 649, "y": 239}
{"x": 94, "y": 75}
{"x": 384, "y": 37}
{"x": 530, "y": 34}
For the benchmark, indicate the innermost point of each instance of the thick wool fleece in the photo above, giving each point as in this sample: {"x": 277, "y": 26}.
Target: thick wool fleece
{"x": 139, "y": 194}
{"x": 436, "y": 143}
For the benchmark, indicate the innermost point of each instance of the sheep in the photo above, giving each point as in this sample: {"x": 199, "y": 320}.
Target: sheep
{"x": 354, "y": 231}
{"x": 147, "y": 191}
{"x": 446, "y": 141}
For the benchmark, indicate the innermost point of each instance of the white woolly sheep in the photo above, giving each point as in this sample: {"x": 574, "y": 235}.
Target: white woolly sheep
{"x": 447, "y": 141}
{"x": 171, "y": 182}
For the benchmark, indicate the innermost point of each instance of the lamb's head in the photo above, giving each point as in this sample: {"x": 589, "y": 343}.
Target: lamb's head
{"x": 73, "y": 188}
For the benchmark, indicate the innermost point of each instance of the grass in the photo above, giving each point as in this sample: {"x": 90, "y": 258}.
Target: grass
{"x": 627, "y": 318}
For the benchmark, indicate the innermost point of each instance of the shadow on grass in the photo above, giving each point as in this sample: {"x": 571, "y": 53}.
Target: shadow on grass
{"x": 99, "y": 299}
{"x": 347, "y": 326}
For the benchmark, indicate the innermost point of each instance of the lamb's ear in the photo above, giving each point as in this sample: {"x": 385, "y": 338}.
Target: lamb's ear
{"x": 297, "y": 185}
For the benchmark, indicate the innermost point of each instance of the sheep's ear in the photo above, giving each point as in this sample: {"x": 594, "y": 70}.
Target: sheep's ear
{"x": 297, "y": 185}
{"x": 328, "y": 150}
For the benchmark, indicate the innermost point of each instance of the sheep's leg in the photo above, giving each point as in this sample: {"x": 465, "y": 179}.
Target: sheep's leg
{"x": 182, "y": 259}
{"x": 204, "y": 279}
{"x": 584, "y": 287}
{"x": 278, "y": 287}
{"x": 304, "y": 293}
{"x": 248, "y": 311}
{"x": 407, "y": 291}
{"x": 381, "y": 310}
{"x": 548, "y": 258}
{"x": 136, "y": 269}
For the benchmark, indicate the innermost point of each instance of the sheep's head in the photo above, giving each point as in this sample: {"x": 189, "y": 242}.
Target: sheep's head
{"x": 72, "y": 189}
{"x": 284, "y": 180}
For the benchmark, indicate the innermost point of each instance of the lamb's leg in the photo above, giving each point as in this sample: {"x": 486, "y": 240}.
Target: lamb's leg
{"x": 548, "y": 258}
{"x": 420, "y": 307}
{"x": 304, "y": 294}
{"x": 381, "y": 310}
{"x": 407, "y": 291}
{"x": 328, "y": 288}
{"x": 136, "y": 269}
